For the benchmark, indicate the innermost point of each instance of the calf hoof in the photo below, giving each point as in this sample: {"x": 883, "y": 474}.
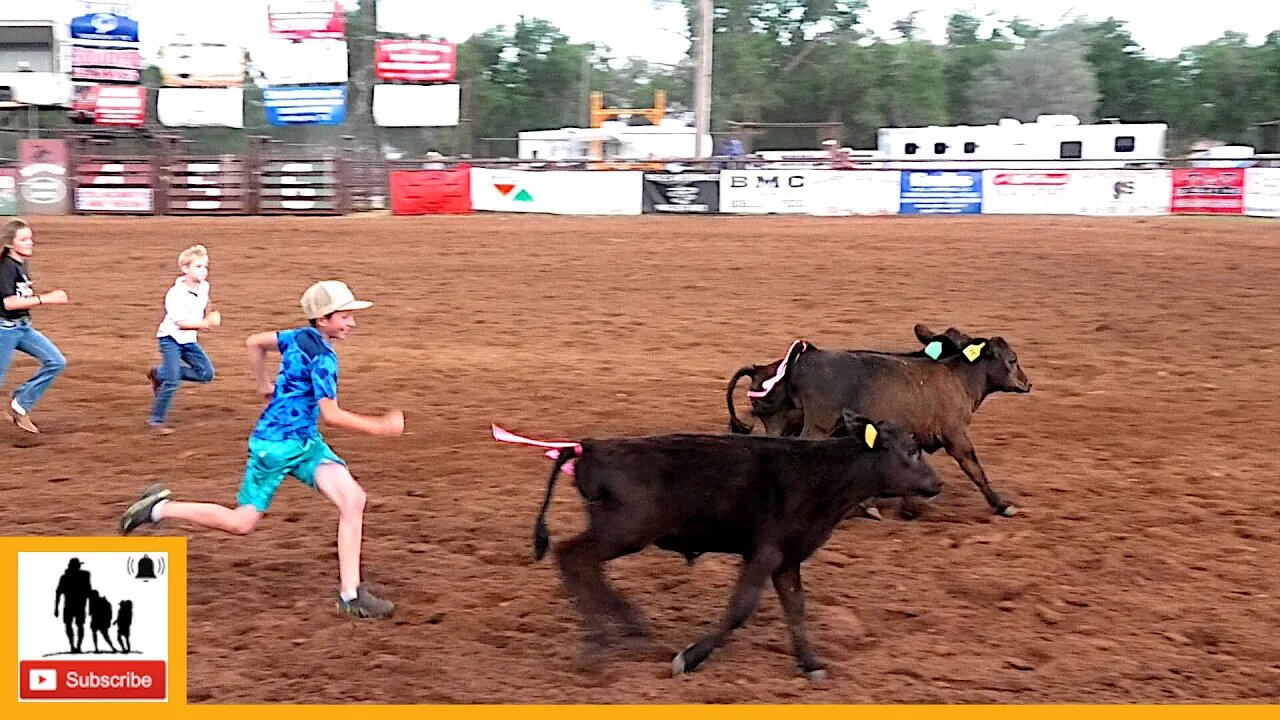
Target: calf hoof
{"x": 872, "y": 512}
{"x": 1006, "y": 510}
{"x": 816, "y": 674}
{"x": 686, "y": 661}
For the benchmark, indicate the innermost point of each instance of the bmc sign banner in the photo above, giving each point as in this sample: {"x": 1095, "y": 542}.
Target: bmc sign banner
{"x": 1208, "y": 191}
{"x": 99, "y": 619}
{"x": 753, "y": 192}
{"x": 681, "y": 193}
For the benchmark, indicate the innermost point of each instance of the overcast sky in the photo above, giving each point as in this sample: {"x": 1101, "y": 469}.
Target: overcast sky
{"x": 635, "y": 27}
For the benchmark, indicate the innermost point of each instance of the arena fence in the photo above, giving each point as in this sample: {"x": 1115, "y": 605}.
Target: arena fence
{"x": 279, "y": 179}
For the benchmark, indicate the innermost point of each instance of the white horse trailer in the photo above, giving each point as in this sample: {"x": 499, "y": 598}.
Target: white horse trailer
{"x": 1052, "y": 141}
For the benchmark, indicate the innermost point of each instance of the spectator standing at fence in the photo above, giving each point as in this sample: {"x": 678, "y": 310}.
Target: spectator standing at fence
{"x": 18, "y": 296}
{"x": 186, "y": 312}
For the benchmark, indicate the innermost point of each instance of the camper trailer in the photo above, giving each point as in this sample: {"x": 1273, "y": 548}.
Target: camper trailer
{"x": 1051, "y": 141}
{"x": 612, "y": 140}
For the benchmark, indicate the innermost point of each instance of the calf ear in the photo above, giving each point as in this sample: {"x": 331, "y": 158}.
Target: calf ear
{"x": 974, "y": 349}
{"x": 923, "y": 333}
{"x": 959, "y": 338}
{"x": 860, "y": 427}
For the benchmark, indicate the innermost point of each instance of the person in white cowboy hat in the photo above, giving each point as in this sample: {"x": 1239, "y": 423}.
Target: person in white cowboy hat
{"x": 287, "y": 441}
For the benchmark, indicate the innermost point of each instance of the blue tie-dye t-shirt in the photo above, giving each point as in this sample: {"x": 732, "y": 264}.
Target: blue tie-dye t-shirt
{"x": 308, "y": 372}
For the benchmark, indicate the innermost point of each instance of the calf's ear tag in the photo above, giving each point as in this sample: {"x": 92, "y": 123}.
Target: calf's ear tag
{"x": 870, "y": 434}
{"x": 933, "y": 350}
{"x": 972, "y": 351}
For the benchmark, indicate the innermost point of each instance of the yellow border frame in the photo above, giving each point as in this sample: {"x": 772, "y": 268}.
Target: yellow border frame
{"x": 177, "y": 704}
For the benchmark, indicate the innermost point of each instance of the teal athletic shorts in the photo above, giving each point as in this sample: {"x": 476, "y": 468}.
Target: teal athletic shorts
{"x": 271, "y": 460}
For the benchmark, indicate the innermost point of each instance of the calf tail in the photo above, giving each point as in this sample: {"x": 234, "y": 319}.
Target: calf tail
{"x": 735, "y": 425}
{"x": 541, "y": 538}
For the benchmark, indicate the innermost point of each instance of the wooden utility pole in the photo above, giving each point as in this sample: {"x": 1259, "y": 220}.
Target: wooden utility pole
{"x": 702, "y": 84}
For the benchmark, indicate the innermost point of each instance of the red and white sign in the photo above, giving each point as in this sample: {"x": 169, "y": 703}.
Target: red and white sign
{"x": 1208, "y": 191}
{"x": 416, "y": 60}
{"x": 92, "y": 680}
{"x": 121, "y": 200}
{"x": 1027, "y": 192}
{"x": 106, "y": 57}
{"x": 106, "y": 74}
{"x": 306, "y": 19}
{"x": 122, "y": 105}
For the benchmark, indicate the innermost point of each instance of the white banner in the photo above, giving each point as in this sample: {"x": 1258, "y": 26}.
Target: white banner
{"x": 1027, "y": 192}
{"x": 416, "y": 105}
{"x": 201, "y": 65}
{"x": 557, "y": 192}
{"x": 284, "y": 62}
{"x": 201, "y": 107}
{"x": 854, "y": 192}
{"x": 100, "y": 199}
{"x": 755, "y": 192}
{"x": 1122, "y": 192}
{"x": 1262, "y": 192}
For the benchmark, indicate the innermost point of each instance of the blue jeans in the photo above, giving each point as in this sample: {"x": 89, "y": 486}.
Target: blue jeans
{"x": 178, "y": 362}
{"x": 20, "y": 335}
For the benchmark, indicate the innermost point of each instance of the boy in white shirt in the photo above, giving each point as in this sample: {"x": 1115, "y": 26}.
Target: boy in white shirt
{"x": 186, "y": 312}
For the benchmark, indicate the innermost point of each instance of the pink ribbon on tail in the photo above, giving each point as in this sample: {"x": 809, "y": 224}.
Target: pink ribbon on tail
{"x": 554, "y": 453}
{"x": 767, "y": 385}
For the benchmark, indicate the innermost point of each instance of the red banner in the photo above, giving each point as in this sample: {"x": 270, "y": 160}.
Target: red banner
{"x": 307, "y": 20}
{"x": 422, "y": 61}
{"x": 92, "y": 680}
{"x": 431, "y": 192}
{"x": 106, "y": 74}
{"x": 119, "y": 105}
{"x": 106, "y": 57}
{"x": 1211, "y": 191}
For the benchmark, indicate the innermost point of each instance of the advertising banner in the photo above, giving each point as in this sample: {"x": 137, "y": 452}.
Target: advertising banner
{"x": 320, "y": 105}
{"x": 1208, "y": 191}
{"x": 306, "y": 20}
{"x": 949, "y": 192}
{"x": 1027, "y": 192}
{"x": 557, "y": 192}
{"x": 415, "y": 60}
{"x": 1122, "y": 192}
{"x": 681, "y": 193}
{"x": 1262, "y": 192}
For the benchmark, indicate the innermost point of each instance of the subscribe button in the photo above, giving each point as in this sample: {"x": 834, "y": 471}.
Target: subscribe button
{"x": 92, "y": 680}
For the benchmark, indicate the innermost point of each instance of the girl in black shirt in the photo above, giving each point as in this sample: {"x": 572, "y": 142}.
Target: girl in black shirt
{"x": 16, "y": 332}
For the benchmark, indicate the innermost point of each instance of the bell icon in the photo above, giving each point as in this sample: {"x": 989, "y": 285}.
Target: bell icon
{"x": 146, "y": 569}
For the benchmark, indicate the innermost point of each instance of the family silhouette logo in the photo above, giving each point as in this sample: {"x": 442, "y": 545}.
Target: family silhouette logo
{"x": 93, "y": 626}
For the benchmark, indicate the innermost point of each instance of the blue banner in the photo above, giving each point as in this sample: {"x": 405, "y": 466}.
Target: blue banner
{"x": 310, "y": 105}
{"x": 930, "y": 192}
{"x": 104, "y": 26}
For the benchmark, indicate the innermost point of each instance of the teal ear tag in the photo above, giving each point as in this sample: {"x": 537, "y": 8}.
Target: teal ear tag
{"x": 933, "y": 350}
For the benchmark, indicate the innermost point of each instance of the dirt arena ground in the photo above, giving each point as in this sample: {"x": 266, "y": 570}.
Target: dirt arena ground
{"x": 1143, "y": 565}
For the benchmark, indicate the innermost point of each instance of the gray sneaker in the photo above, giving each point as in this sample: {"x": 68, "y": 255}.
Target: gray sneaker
{"x": 139, "y": 513}
{"x": 366, "y": 605}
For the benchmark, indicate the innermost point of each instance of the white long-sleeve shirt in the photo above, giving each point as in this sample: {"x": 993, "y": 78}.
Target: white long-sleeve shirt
{"x": 183, "y": 304}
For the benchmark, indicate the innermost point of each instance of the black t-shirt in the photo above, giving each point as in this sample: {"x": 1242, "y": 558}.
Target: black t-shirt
{"x": 14, "y": 280}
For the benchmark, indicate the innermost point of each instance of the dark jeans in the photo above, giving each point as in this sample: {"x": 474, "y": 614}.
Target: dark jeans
{"x": 177, "y": 363}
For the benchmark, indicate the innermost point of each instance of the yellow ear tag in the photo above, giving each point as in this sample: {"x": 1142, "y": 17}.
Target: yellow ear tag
{"x": 972, "y": 351}
{"x": 870, "y": 435}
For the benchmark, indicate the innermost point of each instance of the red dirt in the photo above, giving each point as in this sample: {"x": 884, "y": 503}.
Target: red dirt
{"x": 1143, "y": 566}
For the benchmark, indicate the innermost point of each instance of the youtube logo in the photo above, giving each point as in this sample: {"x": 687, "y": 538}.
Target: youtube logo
{"x": 42, "y": 679}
